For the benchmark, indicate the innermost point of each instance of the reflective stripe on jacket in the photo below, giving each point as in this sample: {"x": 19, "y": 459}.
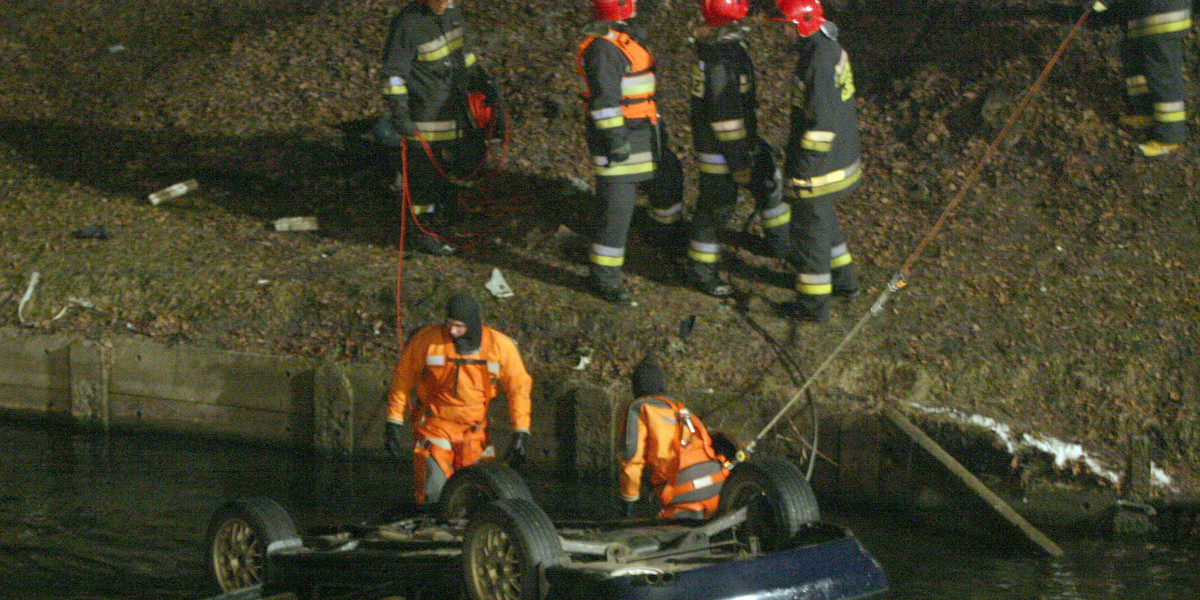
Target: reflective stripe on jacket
{"x": 458, "y": 388}
{"x": 663, "y": 435}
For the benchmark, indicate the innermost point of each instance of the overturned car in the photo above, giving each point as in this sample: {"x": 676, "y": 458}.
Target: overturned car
{"x": 490, "y": 541}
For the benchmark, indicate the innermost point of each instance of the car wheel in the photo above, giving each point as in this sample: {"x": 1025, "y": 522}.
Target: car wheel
{"x": 476, "y": 485}
{"x": 507, "y": 542}
{"x": 240, "y": 536}
{"x": 778, "y": 498}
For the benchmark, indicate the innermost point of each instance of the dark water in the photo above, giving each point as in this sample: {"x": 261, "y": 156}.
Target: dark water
{"x": 84, "y": 515}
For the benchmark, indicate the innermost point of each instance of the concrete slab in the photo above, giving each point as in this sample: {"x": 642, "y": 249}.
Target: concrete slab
{"x": 36, "y": 372}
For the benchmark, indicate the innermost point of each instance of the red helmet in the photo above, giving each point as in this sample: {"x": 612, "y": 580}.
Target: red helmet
{"x": 720, "y": 12}
{"x": 614, "y": 10}
{"x": 806, "y": 14}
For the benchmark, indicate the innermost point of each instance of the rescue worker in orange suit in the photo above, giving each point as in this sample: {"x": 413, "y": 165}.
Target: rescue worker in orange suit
{"x": 627, "y": 140}
{"x": 728, "y": 149}
{"x": 1153, "y": 55}
{"x": 428, "y": 72}
{"x": 661, "y": 435}
{"x": 456, "y": 368}
{"x": 822, "y": 162}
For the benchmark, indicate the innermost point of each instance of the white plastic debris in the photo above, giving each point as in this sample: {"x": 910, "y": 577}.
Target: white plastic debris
{"x": 34, "y": 279}
{"x": 173, "y": 191}
{"x": 115, "y": 48}
{"x": 498, "y": 286}
{"x": 585, "y": 359}
{"x": 296, "y": 224}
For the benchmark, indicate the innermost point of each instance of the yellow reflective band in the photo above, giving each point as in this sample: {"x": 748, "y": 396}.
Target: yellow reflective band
{"x": 730, "y": 136}
{"x": 815, "y": 289}
{"x": 1137, "y": 90}
{"x": 423, "y": 209}
{"x": 1161, "y": 28}
{"x": 624, "y": 169}
{"x": 606, "y": 261}
{"x": 821, "y": 190}
{"x": 469, "y": 59}
{"x": 713, "y": 169}
{"x": 815, "y": 146}
{"x": 441, "y": 52}
{"x": 840, "y": 261}
{"x": 437, "y": 136}
{"x": 781, "y": 220}
{"x": 704, "y": 257}
{"x": 1170, "y": 117}
{"x": 395, "y": 90}
{"x": 611, "y": 122}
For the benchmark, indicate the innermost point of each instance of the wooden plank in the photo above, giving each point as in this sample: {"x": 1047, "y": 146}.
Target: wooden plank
{"x": 960, "y": 474}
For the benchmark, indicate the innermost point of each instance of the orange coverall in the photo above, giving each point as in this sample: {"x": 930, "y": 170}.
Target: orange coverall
{"x": 449, "y": 414}
{"x": 660, "y": 433}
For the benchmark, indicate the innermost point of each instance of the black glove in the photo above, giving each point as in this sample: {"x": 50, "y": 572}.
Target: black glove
{"x": 400, "y": 118}
{"x": 627, "y": 509}
{"x": 619, "y": 154}
{"x": 515, "y": 455}
{"x": 393, "y": 439}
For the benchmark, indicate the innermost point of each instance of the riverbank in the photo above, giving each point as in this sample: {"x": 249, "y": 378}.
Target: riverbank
{"x": 1058, "y": 302}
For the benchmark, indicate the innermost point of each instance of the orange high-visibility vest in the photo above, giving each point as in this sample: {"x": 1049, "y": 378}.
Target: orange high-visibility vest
{"x": 677, "y": 448}
{"x": 637, "y": 84}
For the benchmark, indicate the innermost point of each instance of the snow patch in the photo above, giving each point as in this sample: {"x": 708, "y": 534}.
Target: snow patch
{"x": 1064, "y": 453}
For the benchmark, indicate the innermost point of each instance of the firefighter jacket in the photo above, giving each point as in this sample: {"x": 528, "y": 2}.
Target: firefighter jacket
{"x": 457, "y": 388}
{"x": 663, "y": 435}
{"x": 428, "y": 71}
{"x": 724, "y": 103}
{"x": 619, "y": 101}
{"x": 822, "y": 151}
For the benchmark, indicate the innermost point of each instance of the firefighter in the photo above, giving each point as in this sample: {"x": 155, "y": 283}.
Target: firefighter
{"x": 456, "y": 367}
{"x": 428, "y": 73}
{"x": 728, "y": 149}
{"x": 663, "y": 435}
{"x": 1153, "y": 54}
{"x": 822, "y": 161}
{"x": 627, "y": 140}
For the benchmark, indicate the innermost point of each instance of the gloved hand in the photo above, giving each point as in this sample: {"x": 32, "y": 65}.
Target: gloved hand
{"x": 742, "y": 177}
{"x": 393, "y": 439}
{"x": 619, "y": 154}
{"x": 515, "y": 455}
{"x": 627, "y": 508}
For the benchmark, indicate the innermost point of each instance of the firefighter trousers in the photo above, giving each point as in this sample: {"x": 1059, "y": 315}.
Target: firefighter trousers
{"x": 1154, "y": 83}
{"x": 434, "y": 198}
{"x": 717, "y": 200}
{"x": 441, "y": 448}
{"x": 821, "y": 255}
{"x": 617, "y": 200}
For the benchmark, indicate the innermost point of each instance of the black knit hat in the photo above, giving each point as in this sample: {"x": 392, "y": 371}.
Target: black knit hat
{"x": 647, "y": 379}
{"x": 462, "y": 307}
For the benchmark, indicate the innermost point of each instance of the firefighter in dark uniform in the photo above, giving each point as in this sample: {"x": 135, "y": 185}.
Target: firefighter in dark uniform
{"x": 728, "y": 149}
{"x": 1153, "y": 55}
{"x": 822, "y": 160}
{"x": 627, "y": 140}
{"x": 428, "y": 72}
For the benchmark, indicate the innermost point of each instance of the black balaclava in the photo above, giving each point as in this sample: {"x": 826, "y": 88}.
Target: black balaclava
{"x": 462, "y": 307}
{"x": 648, "y": 379}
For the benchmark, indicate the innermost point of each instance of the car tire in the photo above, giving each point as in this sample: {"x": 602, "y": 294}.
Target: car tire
{"x": 507, "y": 544}
{"x": 474, "y": 486}
{"x": 780, "y": 500}
{"x": 240, "y": 538}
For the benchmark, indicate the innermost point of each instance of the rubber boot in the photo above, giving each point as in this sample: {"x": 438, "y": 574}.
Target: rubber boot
{"x": 606, "y": 283}
{"x": 845, "y": 283}
{"x": 706, "y": 278}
